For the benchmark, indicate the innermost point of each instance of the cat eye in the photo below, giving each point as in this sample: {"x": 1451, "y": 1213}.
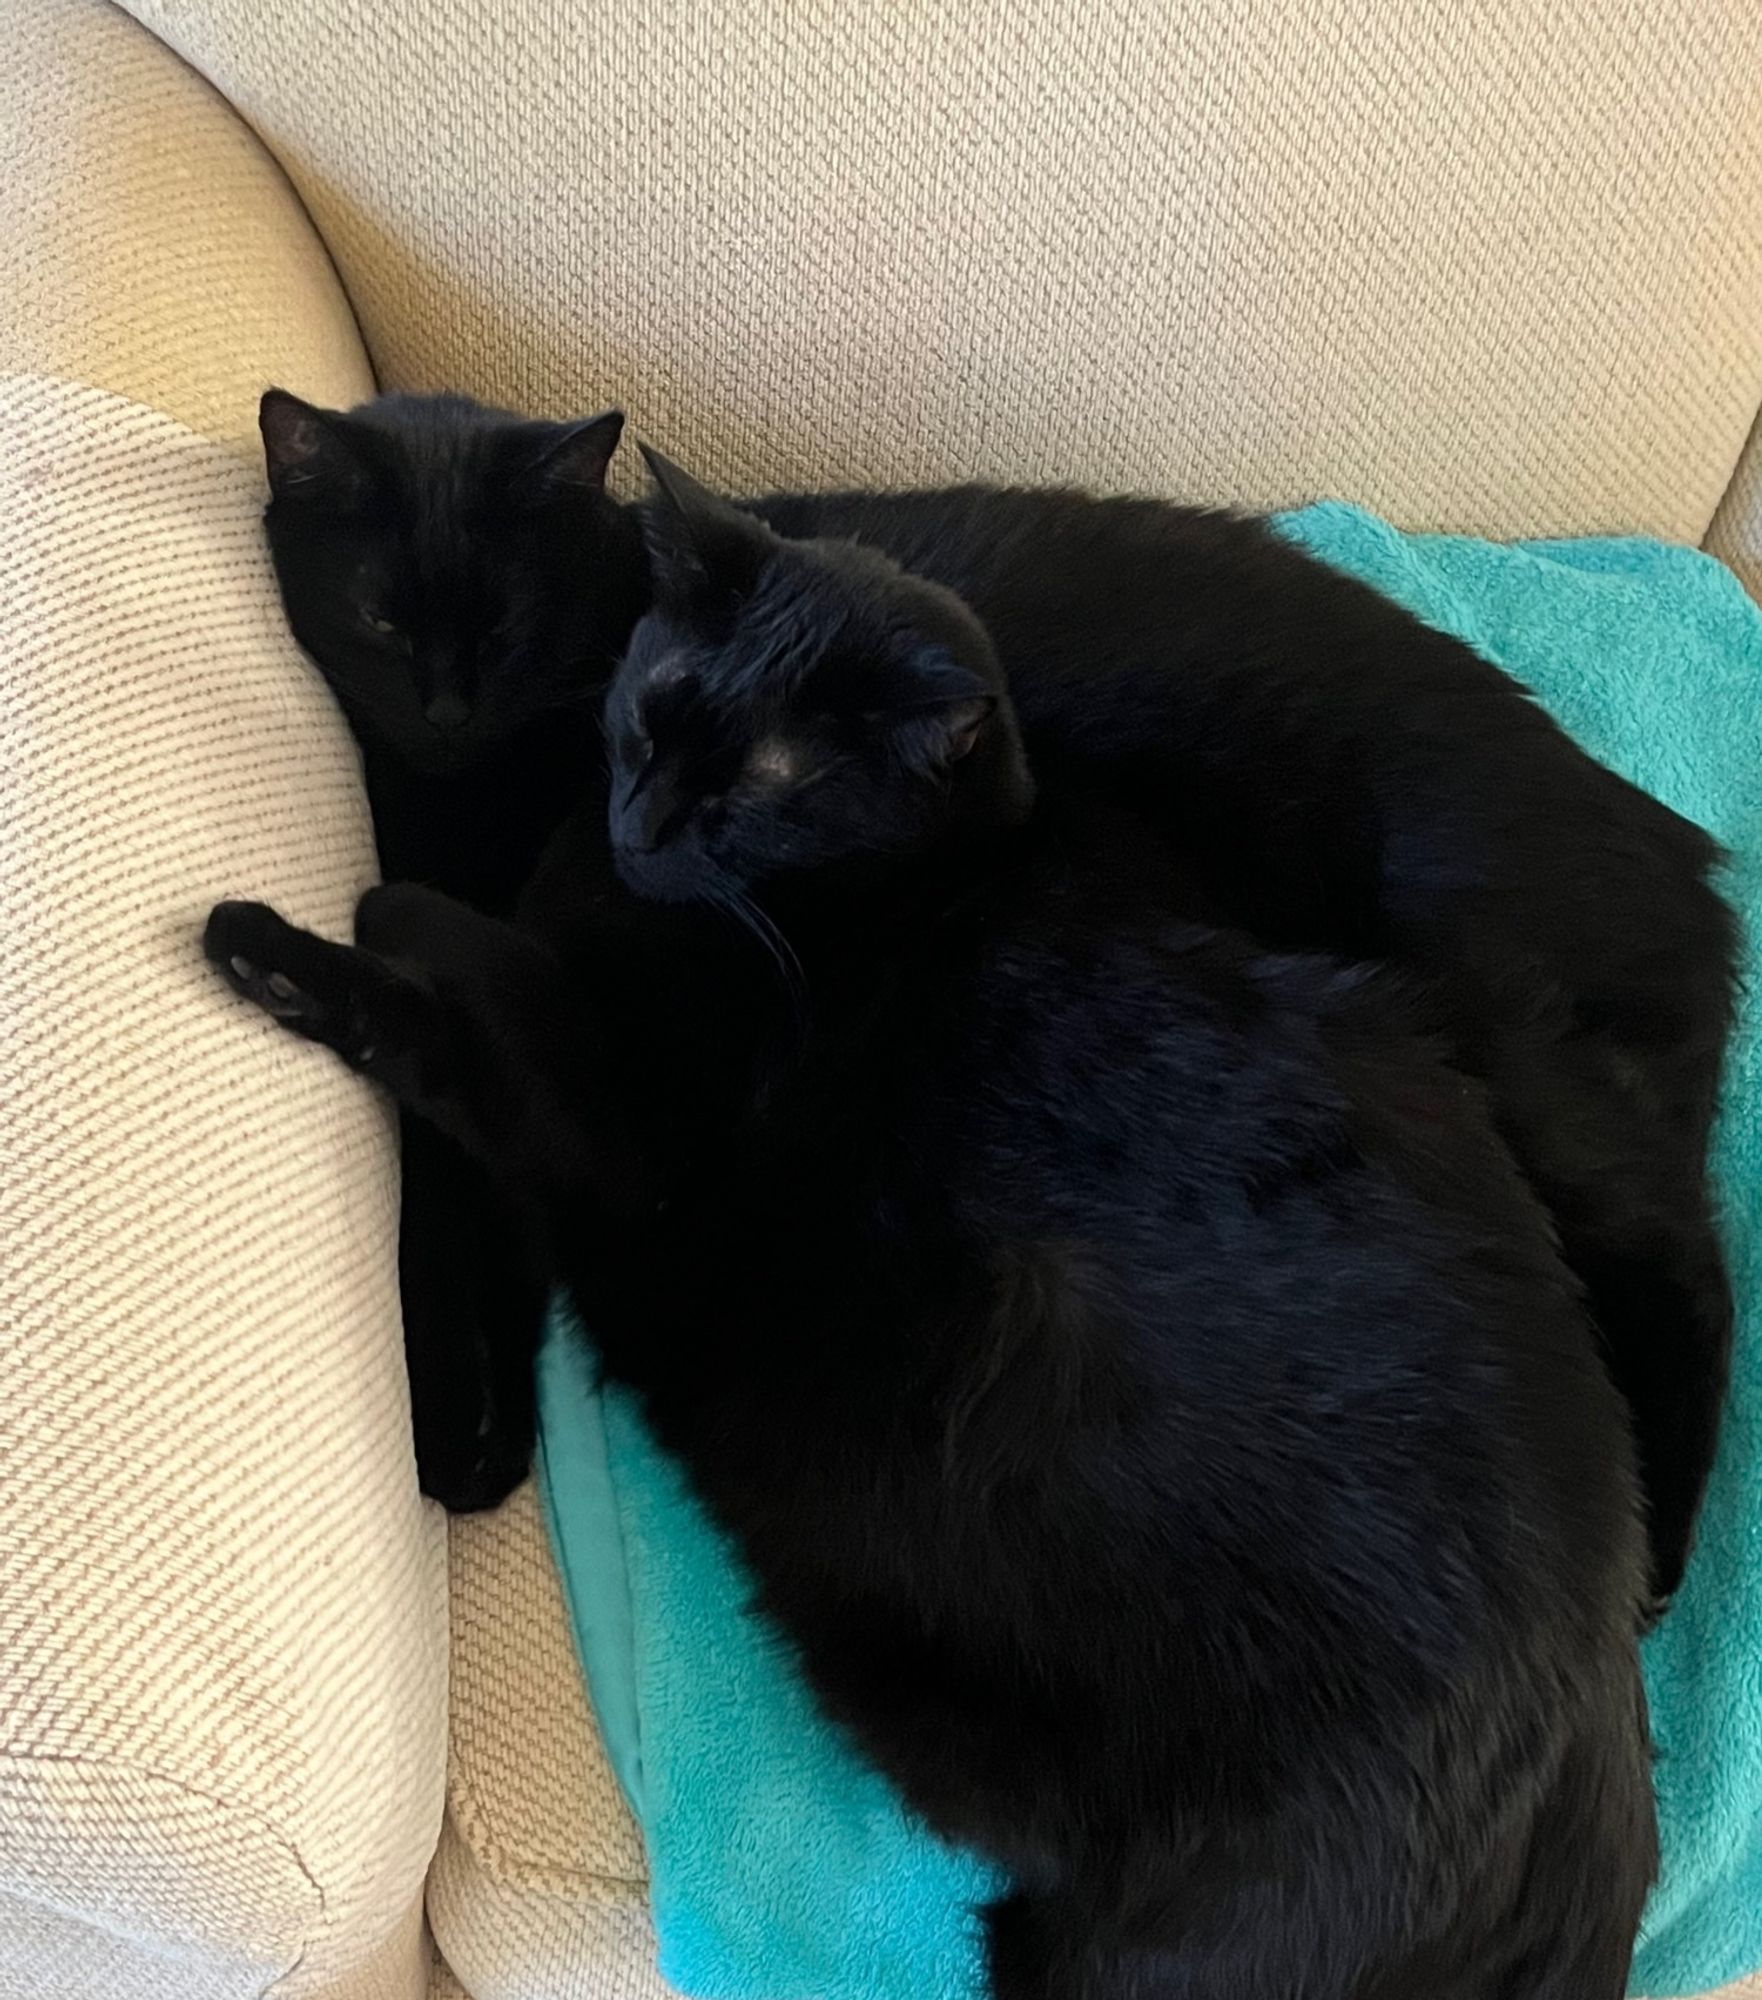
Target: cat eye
{"x": 383, "y": 626}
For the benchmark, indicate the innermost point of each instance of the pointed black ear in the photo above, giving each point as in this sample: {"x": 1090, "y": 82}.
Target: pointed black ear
{"x": 962, "y": 723}
{"x": 699, "y": 543}
{"x": 307, "y": 450}
{"x": 943, "y": 714}
{"x": 574, "y": 458}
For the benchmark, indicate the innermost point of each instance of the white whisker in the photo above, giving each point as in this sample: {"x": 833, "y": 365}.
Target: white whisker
{"x": 735, "y": 903}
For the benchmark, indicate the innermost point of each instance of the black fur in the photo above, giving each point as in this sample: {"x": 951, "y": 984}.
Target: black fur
{"x": 1143, "y": 1385}
{"x": 1334, "y": 775}
{"x": 1344, "y": 778}
{"x": 506, "y": 583}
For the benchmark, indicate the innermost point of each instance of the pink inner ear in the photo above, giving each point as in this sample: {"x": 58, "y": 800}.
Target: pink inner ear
{"x": 300, "y": 440}
{"x": 292, "y": 436}
{"x": 965, "y": 720}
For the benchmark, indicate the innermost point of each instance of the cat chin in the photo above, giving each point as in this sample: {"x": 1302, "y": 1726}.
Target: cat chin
{"x": 439, "y": 757}
{"x": 665, "y": 876}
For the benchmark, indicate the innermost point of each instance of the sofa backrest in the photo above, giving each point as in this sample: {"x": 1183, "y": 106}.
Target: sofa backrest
{"x": 1495, "y": 267}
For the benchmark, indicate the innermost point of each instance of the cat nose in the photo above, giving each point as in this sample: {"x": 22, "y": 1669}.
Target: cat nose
{"x": 448, "y": 711}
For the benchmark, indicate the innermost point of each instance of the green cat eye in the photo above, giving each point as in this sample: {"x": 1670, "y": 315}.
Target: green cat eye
{"x": 383, "y": 626}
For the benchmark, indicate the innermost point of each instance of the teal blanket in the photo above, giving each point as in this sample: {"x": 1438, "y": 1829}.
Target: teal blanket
{"x": 783, "y": 1868}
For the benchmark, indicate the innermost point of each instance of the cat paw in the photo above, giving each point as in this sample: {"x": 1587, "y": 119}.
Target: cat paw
{"x": 248, "y": 943}
{"x": 312, "y": 987}
{"x": 472, "y": 1479}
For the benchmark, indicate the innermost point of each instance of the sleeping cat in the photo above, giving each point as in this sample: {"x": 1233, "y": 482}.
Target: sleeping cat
{"x": 464, "y": 583}
{"x": 1345, "y": 778}
{"x": 1342, "y": 778}
{"x": 1145, "y": 1389}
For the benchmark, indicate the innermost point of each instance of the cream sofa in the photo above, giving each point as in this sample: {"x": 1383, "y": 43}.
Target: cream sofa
{"x": 1497, "y": 269}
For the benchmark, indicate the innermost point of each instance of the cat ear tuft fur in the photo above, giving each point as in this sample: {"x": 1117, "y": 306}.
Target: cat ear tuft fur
{"x": 305, "y": 449}
{"x": 962, "y": 722}
{"x": 702, "y": 546}
{"x": 575, "y": 457}
{"x": 945, "y": 713}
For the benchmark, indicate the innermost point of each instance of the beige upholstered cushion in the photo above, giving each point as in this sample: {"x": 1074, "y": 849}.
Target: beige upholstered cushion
{"x": 538, "y": 1891}
{"x": 150, "y": 245}
{"x": 1498, "y": 267}
{"x": 222, "y": 1628}
{"x": 221, "y": 1622}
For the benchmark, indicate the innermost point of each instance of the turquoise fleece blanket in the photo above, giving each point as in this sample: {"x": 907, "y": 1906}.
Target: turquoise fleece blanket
{"x": 783, "y": 1868}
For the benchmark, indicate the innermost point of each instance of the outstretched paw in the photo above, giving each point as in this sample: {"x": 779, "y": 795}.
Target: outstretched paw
{"x": 377, "y": 1019}
{"x": 253, "y": 948}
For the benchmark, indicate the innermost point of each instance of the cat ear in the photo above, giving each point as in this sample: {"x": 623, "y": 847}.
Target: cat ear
{"x": 574, "y": 458}
{"x": 945, "y": 713}
{"x": 962, "y": 722}
{"x": 306, "y": 450}
{"x": 700, "y": 544}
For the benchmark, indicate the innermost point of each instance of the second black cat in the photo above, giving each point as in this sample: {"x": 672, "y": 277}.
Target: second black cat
{"x": 465, "y": 585}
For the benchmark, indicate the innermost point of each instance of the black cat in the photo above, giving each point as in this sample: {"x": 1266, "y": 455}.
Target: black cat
{"x": 1342, "y": 778}
{"x": 464, "y": 583}
{"x": 1345, "y": 778}
{"x": 1141, "y": 1382}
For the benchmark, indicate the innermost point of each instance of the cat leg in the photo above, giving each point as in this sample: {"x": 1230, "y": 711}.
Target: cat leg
{"x": 474, "y": 1303}
{"x": 448, "y": 1026}
{"x": 1664, "y": 1313}
{"x": 426, "y": 1025}
{"x": 1626, "y": 1182}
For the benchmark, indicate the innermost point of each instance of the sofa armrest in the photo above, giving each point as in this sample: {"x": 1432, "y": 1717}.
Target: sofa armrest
{"x": 222, "y": 1603}
{"x": 151, "y": 246}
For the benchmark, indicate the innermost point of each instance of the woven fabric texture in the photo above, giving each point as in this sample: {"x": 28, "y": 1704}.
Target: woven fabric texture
{"x": 1736, "y": 535}
{"x": 443, "y": 1982}
{"x": 221, "y": 1601}
{"x": 538, "y": 1891}
{"x": 1496, "y": 268}
{"x": 151, "y": 246}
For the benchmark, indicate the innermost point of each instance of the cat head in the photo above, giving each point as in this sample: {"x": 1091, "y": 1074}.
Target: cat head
{"x": 454, "y": 571}
{"x": 789, "y": 707}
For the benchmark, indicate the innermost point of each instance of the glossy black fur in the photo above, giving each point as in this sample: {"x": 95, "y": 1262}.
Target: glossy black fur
{"x": 1144, "y": 1386}
{"x": 1345, "y": 778}
{"x": 1335, "y": 775}
{"x": 506, "y": 582}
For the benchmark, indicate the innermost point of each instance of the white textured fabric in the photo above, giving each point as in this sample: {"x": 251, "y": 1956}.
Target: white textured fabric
{"x": 1496, "y": 267}
{"x": 150, "y": 245}
{"x": 221, "y": 1619}
{"x": 1736, "y": 534}
{"x": 538, "y": 1891}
